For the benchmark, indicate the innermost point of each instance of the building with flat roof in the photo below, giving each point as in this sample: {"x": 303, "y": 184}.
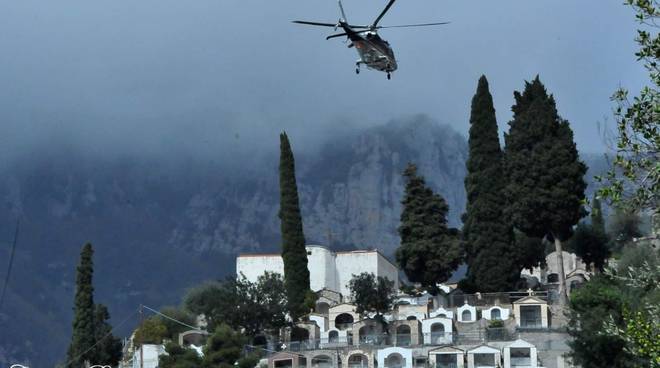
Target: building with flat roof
{"x": 327, "y": 269}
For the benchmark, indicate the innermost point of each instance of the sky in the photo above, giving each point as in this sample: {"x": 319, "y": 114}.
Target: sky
{"x": 225, "y": 76}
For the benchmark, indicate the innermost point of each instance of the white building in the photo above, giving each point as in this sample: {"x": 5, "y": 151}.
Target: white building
{"x": 149, "y": 356}
{"x": 484, "y": 356}
{"x": 466, "y": 313}
{"x": 327, "y": 269}
{"x": 520, "y": 354}
{"x": 495, "y": 313}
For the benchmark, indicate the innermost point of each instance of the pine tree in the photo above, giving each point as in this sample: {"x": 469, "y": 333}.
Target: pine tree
{"x": 429, "y": 251}
{"x": 490, "y": 252}
{"x": 109, "y": 348}
{"x": 372, "y": 294}
{"x": 294, "y": 254}
{"x": 224, "y": 348}
{"x": 546, "y": 187}
{"x": 83, "y": 337}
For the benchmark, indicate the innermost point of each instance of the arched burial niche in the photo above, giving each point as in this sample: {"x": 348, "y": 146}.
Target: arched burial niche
{"x": 358, "y": 361}
{"x": 437, "y": 333}
{"x": 260, "y": 340}
{"x": 394, "y": 360}
{"x": 344, "y": 321}
{"x": 403, "y": 335}
{"x": 369, "y": 335}
{"x": 496, "y": 313}
{"x": 395, "y": 357}
{"x": 466, "y": 313}
{"x": 322, "y": 361}
{"x": 322, "y": 308}
{"x": 300, "y": 338}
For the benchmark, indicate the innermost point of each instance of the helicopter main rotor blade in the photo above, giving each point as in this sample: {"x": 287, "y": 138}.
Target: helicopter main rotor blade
{"x": 314, "y": 23}
{"x": 333, "y": 25}
{"x": 336, "y": 35}
{"x": 382, "y": 14}
{"x": 413, "y": 25}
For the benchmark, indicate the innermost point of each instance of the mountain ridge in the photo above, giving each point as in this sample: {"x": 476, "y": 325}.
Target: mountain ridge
{"x": 160, "y": 226}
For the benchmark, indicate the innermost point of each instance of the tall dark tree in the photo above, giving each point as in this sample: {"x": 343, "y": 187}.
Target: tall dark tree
{"x": 590, "y": 242}
{"x": 546, "y": 183}
{"x": 597, "y": 220}
{"x": 429, "y": 251}
{"x": 590, "y": 245}
{"x": 109, "y": 348}
{"x": 83, "y": 337}
{"x": 294, "y": 254}
{"x": 490, "y": 250}
{"x": 531, "y": 251}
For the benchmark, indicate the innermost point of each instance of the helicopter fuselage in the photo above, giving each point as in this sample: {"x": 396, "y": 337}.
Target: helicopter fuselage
{"x": 374, "y": 52}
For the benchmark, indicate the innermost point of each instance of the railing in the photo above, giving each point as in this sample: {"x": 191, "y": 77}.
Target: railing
{"x": 499, "y": 334}
{"x": 403, "y": 340}
{"x": 488, "y": 299}
{"x": 531, "y": 323}
{"x": 521, "y": 362}
{"x": 384, "y": 340}
{"x": 336, "y": 341}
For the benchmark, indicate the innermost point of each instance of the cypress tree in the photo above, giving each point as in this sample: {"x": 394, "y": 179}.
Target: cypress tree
{"x": 429, "y": 251}
{"x": 294, "y": 254}
{"x": 83, "y": 336}
{"x": 546, "y": 187}
{"x": 597, "y": 220}
{"x": 490, "y": 252}
{"x": 109, "y": 348}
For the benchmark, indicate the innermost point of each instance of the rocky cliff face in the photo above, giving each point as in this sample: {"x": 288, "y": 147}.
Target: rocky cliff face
{"x": 350, "y": 192}
{"x": 160, "y": 226}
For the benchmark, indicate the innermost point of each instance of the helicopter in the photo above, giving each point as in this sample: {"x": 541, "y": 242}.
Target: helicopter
{"x": 375, "y": 52}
